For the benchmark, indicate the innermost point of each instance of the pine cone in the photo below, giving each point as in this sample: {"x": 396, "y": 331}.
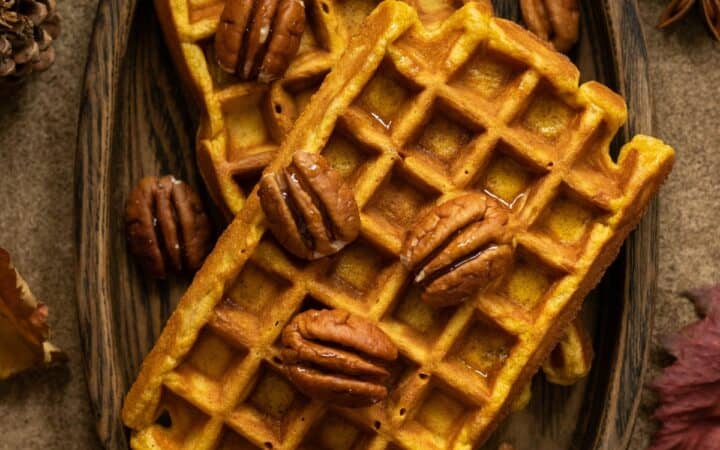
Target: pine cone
{"x": 27, "y": 31}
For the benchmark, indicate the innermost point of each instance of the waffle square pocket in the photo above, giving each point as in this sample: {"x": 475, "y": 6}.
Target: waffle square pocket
{"x": 531, "y": 179}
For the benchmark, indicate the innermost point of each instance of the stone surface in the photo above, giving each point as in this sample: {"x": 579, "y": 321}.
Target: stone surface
{"x": 46, "y": 410}
{"x": 50, "y": 410}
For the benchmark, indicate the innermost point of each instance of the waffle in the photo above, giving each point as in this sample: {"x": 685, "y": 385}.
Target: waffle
{"x": 230, "y": 171}
{"x": 571, "y": 359}
{"x": 243, "y": 123}
{"x": 412, "y": 118}
{"x": 569, "y": 362}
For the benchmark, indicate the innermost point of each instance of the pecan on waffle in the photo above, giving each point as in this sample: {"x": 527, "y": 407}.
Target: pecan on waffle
{"x": 413, "y": 118}
{"x": 243, "y": 122}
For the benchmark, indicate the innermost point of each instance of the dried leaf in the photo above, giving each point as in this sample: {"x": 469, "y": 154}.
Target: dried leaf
{"x": 689, "y": 389}
{"x": 24, "y": 331}
{"x": 711, "y": 9}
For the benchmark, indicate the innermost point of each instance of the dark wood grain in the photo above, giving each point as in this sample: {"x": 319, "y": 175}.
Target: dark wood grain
{"x": 641, "y": 258}
{"x": 135, "y": 121}
{"x": 102, "y": 368}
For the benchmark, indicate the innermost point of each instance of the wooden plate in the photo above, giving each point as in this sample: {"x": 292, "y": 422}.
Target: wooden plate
{"x": 135, "y": 120}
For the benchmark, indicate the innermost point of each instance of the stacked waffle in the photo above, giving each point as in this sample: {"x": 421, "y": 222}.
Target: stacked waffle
{"x": 243, "y": 122}
{"x": 416, "y": 120}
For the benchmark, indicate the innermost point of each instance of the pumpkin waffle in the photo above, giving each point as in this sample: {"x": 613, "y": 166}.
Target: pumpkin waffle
{"x": 230, "y": 172}
{"x": 569, "y": 362}
{"x": 412, "y": 118}
{"x": 242, "y": 123}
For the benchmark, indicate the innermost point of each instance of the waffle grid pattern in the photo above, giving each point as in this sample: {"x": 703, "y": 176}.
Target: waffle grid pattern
{"x": 243, "y": 123}
{"x": 476, "y": 104}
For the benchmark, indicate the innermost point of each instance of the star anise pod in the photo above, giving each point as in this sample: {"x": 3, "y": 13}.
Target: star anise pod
{"x": 679, "y": 8}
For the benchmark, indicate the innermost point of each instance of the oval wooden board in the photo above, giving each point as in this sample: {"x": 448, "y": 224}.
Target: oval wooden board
{"x": 134, "y": 121}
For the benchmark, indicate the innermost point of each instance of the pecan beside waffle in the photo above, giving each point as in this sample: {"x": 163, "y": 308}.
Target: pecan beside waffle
{"x": 258, "y": 38}
{"x": 461, "y": 368}
{"x": 556, "y": 21}
{"x": 460, "y": 246}
{"x": 167, "y": 225}
{"x": 337, "y": 357}
{"x": 310, "y": 210}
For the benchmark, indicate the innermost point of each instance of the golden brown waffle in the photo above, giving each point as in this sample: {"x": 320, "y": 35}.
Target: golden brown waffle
{"x": 189, "y": 28}
{"x": 569, "y": 362}
{"x": 243, "y": 123}
{"x": 571, "y": 359}
{"x": 411, "y": 118}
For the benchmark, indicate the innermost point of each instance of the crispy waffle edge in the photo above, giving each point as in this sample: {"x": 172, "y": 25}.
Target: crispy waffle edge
{"x": 313, "y": 129}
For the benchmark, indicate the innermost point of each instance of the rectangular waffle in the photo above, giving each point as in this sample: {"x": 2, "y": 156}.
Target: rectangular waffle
{"x": 411, "y": 117}
{"x": 230, "y": 164}
{"x": 243, "y": 123}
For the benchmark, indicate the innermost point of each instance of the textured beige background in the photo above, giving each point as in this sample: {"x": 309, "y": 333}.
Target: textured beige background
{"x": 37, "y": 145}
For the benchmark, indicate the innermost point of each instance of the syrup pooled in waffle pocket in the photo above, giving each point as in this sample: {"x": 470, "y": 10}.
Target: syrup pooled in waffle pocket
{"x": 250, "y": 126}
{"x": 246, "y": 123}
{"x": 471, "y": 131}
{"x": 244, "y": 120}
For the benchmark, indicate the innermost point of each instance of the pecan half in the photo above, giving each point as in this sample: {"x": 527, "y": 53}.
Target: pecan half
{"x": 458, "y": 248}
{"x": 310, "y": 210}
{"x": 167, "y": 225}
{"x": 337, "y": 357}
{"x": 556, "y": 21}
{"x": 258, "y": 38}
